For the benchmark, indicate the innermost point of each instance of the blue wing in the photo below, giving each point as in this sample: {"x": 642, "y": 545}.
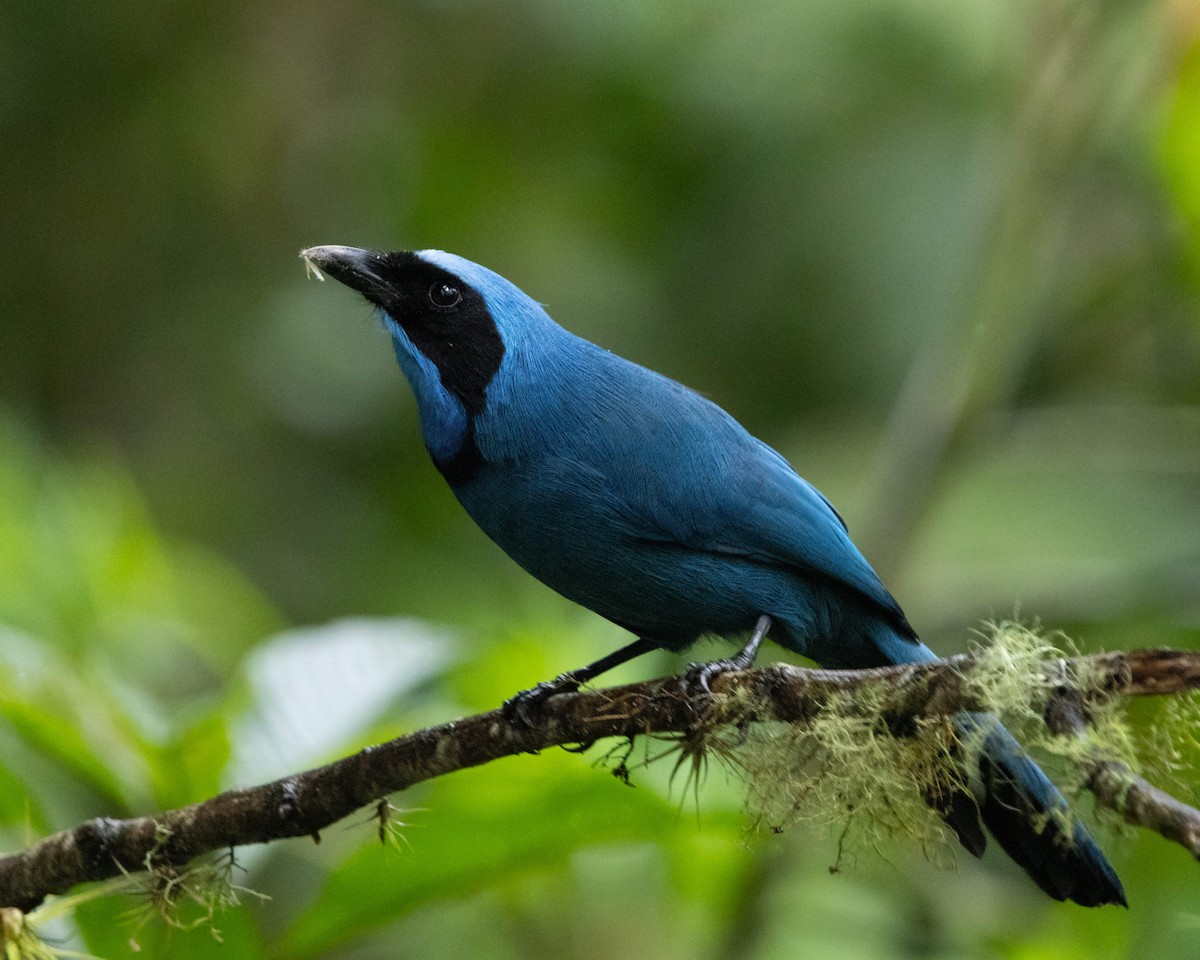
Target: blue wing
{"x": 614, "y": 457}
{"x": 759, "y": 508}
{"x": 689, "y": 474}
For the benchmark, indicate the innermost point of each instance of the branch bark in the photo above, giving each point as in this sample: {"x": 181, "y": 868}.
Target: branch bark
{"x": 305, "y": 803}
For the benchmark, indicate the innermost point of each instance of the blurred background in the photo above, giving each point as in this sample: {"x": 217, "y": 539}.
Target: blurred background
{"x": 944, "y": 255}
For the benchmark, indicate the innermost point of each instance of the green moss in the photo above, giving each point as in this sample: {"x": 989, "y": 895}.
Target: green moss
{"x": 19, "y": 937}
{"x": 1169, "y": 751}
{"x": 19, "y": 940}
{"x": 848, "y": 771}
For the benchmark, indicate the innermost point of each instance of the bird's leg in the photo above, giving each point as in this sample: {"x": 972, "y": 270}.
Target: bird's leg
{"x": 518, "y": 710}
{"x": 701, "y": 674}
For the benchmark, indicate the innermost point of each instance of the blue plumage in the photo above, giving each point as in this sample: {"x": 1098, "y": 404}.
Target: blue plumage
{"x": 641, "y": 500}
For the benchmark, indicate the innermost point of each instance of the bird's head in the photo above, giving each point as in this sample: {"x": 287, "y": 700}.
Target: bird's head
{"x": 452, "y": 323}
{"x": 445, "y": 314}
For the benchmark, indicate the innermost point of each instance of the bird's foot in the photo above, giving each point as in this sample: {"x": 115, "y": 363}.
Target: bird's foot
{"x": 700, "y": 675}
{"x": 521, "y": 711}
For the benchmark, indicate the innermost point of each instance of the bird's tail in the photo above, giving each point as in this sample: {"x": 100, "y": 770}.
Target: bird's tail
{"x": 1007, "y": 792}
{"x": 1029, "y": 818}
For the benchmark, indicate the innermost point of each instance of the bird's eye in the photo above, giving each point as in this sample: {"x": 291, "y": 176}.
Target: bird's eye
{"x": 444, "y": 295}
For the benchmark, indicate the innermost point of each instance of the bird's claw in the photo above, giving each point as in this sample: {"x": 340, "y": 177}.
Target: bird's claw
{"x": 520, "y": 711}
{"x": 699, "y": 676}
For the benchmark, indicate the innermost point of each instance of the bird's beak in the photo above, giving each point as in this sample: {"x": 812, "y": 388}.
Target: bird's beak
{"x": 353, "y": 266}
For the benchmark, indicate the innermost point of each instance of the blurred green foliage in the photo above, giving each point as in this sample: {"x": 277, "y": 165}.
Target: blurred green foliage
{"x": 944, "y": 255}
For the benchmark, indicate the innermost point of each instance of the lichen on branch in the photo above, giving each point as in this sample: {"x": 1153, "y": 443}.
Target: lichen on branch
{"x": 878, "y": 741}
{"x": 864, "y": 764}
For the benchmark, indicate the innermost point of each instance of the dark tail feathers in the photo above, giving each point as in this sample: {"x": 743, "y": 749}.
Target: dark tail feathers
{"x": 1029, "y": 818}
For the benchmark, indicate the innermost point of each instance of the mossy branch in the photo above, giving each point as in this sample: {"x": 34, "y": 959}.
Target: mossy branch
{"x": 306, "y": 803}
{"x": 1118, "y": 788}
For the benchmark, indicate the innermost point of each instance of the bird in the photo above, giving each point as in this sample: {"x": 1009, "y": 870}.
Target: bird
{"x": 647, "y": 503}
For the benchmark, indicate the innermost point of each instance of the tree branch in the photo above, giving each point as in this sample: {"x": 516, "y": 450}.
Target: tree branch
{"x": 1118, "y": 788}
{"x": 306, "y": 803}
